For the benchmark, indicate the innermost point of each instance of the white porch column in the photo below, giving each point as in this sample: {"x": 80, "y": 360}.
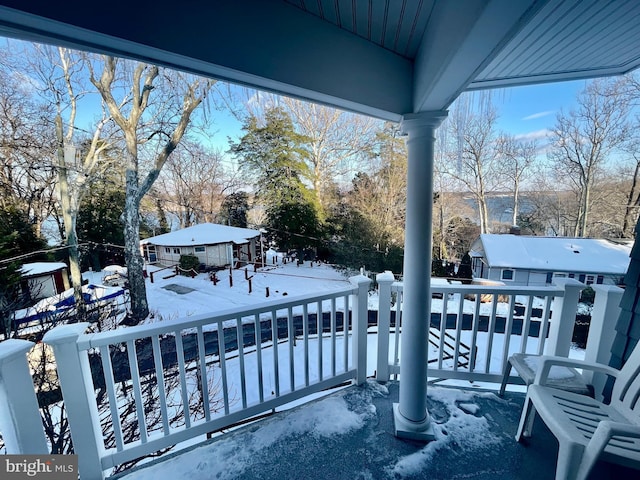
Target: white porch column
{"x": 410, "y": 414}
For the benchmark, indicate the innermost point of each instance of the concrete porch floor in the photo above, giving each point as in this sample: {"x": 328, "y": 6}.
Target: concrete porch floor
{"x": 349, "y": 435}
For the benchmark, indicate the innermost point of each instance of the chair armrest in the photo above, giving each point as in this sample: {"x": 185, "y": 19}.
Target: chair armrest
{"x": 546, "y": 362}
{"x": 605, "y": 431}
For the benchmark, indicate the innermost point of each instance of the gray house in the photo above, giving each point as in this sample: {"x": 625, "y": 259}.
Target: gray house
{"x": 524, "y": 260}
{"x": 215, "y": 245}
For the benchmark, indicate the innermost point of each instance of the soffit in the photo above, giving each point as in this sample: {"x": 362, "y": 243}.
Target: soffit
{"x": 379, "y": 57}
{"x": 567, "y": 40}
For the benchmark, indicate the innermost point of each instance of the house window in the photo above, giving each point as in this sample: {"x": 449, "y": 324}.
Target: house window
{"x": 176, "y": 251}
{"x": 572, "y": 275}
{"x": 582, "y": 277}
{"x": 600, "y": 279}
{"x": 167, "y": 250}
{"x": 549, "y": 277}
{"x": 590, "y": 279}
{"x": 507, "y": 274}
{"x": 199, "y": 249}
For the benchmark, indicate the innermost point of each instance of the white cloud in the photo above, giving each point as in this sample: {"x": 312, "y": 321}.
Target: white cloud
{"x": 539, "y": 115}
{"x": 535, "y": 135}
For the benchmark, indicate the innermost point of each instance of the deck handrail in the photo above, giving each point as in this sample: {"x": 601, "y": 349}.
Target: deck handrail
{"x": 201, "y": 353}
{"x": 460, "y": 318}
{"x": 179, "y": 360}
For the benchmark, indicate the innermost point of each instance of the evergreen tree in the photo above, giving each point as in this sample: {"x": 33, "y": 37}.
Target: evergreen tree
{"x": 17, "y": 237}
{"x": 99, "y": 223}
{"x": 272, "y": 154}
{"x": 234, "y": 210}
{"x": 294, "y": 223}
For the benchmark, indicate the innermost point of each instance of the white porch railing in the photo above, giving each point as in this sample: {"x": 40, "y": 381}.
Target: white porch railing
{"x": 135, "y": 391}
{"x": 475, "y": 328}
{"x": 198, "y": 388}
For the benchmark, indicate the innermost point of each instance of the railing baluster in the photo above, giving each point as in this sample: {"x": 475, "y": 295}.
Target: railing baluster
{"x": 319, "y": 328}
{"x": 243, "y": 376}
{"x": 274, "y": 339}
{"x": 109, "y": 381}
{"x": 474, "y": 332}
{"x": 182, "y": 370}
{"x": 544, "y": 325}
{"x": 305, "y": 333}
{"x": 222, "y": 358}
{"x": 157, "y": 360}
{"x": 526, "y": 324}
{"x": 443, "y": 327}
{"x": 204, "y": 380}
{"x": 345, "y": 325}
{"x": 137, "y": 390}
{"x": 333, "y": 337}
{"x": 456, "y": 353}
{"x": 258, "y": 333}
{"x": 492, "y": 328}
{"x": 292, "y": 341}
{"x": 508, "y": 328}
{"x": 397, "y": 330}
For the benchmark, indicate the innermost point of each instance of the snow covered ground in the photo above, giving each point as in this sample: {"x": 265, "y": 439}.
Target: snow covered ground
{"x": 205, "y": 297}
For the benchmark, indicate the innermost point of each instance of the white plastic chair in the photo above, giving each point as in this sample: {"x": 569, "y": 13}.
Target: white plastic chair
{"x": 587, "y": 429}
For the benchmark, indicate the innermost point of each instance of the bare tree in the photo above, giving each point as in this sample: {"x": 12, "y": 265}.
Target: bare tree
{"x": 449, "y": 205}
{"x": 517, "y": 158}
{"x": 584, "y": 138}
{"x": 27, "y": 142}
{"x": 337, "y": 144}
{"x": 472, "y": 123}
{"x": 193, "y": 183}
{"x": 126, "y": 89}
{"x": 61, "y": 71}
{"x": 380, "y": 196}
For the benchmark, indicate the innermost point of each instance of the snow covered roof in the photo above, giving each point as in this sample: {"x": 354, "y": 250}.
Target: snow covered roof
{"x": 559, "y": 254}
{"x": 203, "y": 234}
{"x": 41, "y": 268}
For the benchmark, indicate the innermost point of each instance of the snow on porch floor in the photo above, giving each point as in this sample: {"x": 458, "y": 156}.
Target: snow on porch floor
{"x": 349, "y": 435}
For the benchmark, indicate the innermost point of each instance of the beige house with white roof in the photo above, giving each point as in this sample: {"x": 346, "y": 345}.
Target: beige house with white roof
{"x": 215, "y": 245}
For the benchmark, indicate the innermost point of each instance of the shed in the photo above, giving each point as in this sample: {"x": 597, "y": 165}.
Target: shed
{"x": 44, "y": 279}
{"x": 215, "y": 245}
{"x": 535, "y": 261}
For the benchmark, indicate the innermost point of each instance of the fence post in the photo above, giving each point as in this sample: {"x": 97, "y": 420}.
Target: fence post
{"x": 78, "y": 393}
{"x": 563, "y": 318}
{"x": 359, "y": 325}
{"x": 606, "y": 309}
{"x": 20, "y": 424}
{"x": 384, "y": 324}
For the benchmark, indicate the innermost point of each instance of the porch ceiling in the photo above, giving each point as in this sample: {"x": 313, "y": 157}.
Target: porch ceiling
{"x": 379, "y": 57}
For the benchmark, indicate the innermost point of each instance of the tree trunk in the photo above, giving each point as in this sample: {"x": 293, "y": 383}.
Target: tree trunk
{"x": 133, "y": 258}
{"x": 69, "y": 214}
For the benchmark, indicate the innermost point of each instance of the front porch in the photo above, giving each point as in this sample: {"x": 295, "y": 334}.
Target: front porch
{"x": 136, "y": 391}
{"x": 350, "y": 435}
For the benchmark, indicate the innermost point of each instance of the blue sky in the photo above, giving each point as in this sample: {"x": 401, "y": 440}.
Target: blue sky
{"x": 533, "y": 108}
{"x": 526, "y": 110}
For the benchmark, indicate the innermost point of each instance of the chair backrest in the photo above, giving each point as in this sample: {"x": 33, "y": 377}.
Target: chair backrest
{"x": 626, "y": 389}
